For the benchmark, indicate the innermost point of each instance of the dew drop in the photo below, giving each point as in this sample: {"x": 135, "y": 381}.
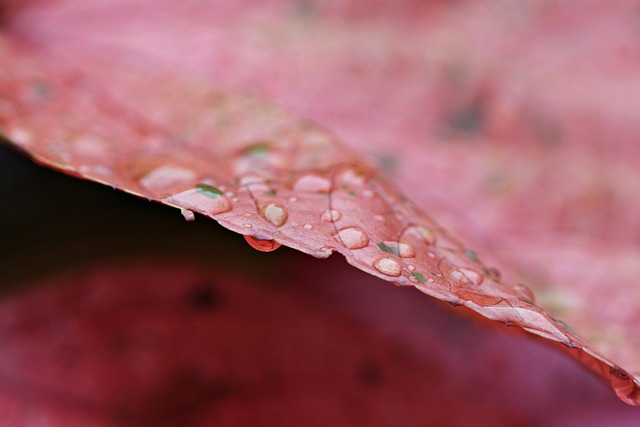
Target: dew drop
{"x": 404, "y": 250}
{"x": 261, "y": 245}
{"x": 388, "y": 266}
{"x": 308, "y": 227}
{"x": 368, "y": 193}
{"x": 187, "y": 214}
{"x": 293, "y": 199}
{"x": 467, "y": 275}
{"x": 413, "y": 278}
{"x": 330, "y": 215}
{"x": 411, "y": 267}
{"x": 167, "y": 176}
{"x": 246, "y": 225}
{"x": 275, "y": 213}
{"x": 423, "y": 233}
{"x": 312, "y": 184}
{"x": 204, "y": 199}
{"x": 353, "y": 238}
{"x": 525, "y": 293}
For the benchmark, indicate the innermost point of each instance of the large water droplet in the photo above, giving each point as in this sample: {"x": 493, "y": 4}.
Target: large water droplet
{"x": 167, "y": 176}
{"x": 204, "y": 198}
{"x": 467, "y": 275}
{"x": 330, "y": 215}
{"x": 388, "y": 266}
{"x": 353, "y": 238}
{"x": 312, "y": 184}
{"x": 524, "y": 293}
{"x": 423, "y": 233}
{"x": 261, "y": 245}
{"x": 275, "y": 213}
{"x": 404, "y": 250}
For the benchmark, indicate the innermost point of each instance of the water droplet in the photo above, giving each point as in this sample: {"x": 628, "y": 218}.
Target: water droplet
{"x": 235, "y": 200}
{"x": 254, "y": 183}
{"x": 411, "y": 267}
{"x": 388, "y": 266}
{"x": 312, "y": 184}
{"x": 187, "y": 214}
{"x": 404, "y": 250}
{"x": 229, "y": 194}
{"x": 352, "y": 178}
{"x": 353, "y": 238}
{"x": 368, "y": 193}
{"x": 378, "y": 218}
{"x": 202, "y": 200}
{"x": 247, "y": 225}
{"x": 330, "y": 215}
{"x": 472, "y": 255}
{"x": 467, "y": 275}
{"x": 423, "y": 233}
{"x": 308, "y": 227}
{"x": 413, "y": 278}
{"x": 167, "y": 176}
{"x": 525, "y": 293}
{"x": 293, "y": 199}
{"x": 275, "y": 213}
{"x": 261, "y": 245}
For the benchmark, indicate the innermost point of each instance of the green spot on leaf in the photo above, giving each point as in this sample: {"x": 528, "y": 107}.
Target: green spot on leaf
{"x": 472, "y": 255}
{"x": 419, "y": 276}
{"x": 208, "y": 190}
{"x": 259, "y": 149}
{"x": 384, "y": 247}
{"x": 271, "y": 193}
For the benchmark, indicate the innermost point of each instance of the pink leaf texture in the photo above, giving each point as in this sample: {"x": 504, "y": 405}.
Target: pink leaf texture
{"x": 489, "y": 114}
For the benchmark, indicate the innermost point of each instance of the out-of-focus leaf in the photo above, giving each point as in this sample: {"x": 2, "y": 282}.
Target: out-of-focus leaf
{"x": 135, "y": 104}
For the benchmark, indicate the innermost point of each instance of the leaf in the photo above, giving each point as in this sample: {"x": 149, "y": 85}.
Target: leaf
{"x": 143, "y": 125}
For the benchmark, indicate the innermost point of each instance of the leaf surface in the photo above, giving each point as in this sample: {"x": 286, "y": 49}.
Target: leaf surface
{"x": 126, "y": 95}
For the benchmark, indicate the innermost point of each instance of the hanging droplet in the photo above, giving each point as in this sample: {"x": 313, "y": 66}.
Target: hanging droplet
{"x": 275, "y": 213}
{"x": 388, "y": 266}
{"x": 353, "y": 238}
{"x": 330, "y": 215}
{"x": 423, "y": 233}
{"x": 312, "y": 184}
{"x": 187, "y": 214}
{"x": 265, "y": 245}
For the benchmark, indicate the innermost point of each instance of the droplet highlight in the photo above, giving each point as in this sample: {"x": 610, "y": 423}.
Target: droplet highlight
{"x": 262, "y": 245}
{"x": 353, "y": 238}
{"x": 388, "y": 266}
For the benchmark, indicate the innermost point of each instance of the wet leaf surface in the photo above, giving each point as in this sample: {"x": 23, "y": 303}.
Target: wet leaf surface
{"x": 127, "y": 108}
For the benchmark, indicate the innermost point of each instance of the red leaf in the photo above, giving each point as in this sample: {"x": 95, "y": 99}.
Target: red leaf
{"x": 128, "y": 111}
